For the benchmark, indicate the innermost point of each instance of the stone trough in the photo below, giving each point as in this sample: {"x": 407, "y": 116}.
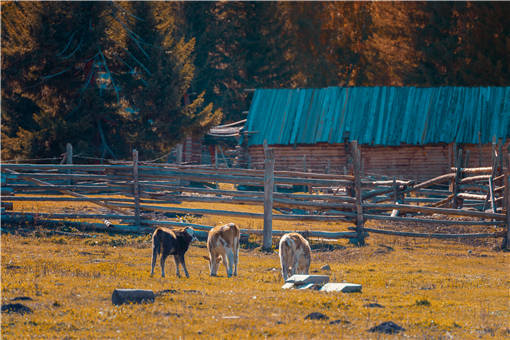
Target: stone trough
{"x": 320, "y": 283}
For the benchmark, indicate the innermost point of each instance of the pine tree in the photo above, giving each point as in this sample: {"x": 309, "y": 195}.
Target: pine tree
{"x": 239, "y": 45}
{"x": 72, "y": 76}
{"x": 159, "y": 109}
{"x": 55, "y": 47}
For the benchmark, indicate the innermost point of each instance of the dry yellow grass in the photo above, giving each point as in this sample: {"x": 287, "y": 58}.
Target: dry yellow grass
{"x": 433, "y": 289}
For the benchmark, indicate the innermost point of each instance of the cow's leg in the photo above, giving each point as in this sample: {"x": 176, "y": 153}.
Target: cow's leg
{"x": 162, "y": 261}
{"x": 283, "y": 262}
{"x": 181, "y": 258}
{"x": 285, "y": 269}
{"x": 306, "y": 266}
{"x": 213, "y": 263}
{"x": 229, "y": 255}
{"x": 177, "y": 260}
{"x": 216, "y": 266}
{"x": 154, "y": 257}
{"x": 295, "y": 265}
{"x": 236, "y": 255}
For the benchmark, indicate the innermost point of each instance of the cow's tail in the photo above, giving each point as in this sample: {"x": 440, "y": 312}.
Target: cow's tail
{"x": 156, "y": 248}
{"x": 157, "y": 240}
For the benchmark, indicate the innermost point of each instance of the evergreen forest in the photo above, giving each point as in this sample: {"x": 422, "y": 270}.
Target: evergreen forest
{"x": 108, "y": 77}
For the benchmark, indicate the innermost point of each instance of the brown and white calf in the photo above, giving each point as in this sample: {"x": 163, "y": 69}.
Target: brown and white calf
{"x": 223, "y": 244}
{"x": 295, "y": 255}
{"x": 171, "y": 242}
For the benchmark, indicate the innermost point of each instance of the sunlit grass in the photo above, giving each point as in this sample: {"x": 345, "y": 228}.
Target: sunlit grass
{"x": 431, "y": 288}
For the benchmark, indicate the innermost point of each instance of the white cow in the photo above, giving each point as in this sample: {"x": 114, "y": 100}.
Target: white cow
{"x": 295, "y": 255}
{"x": 223, "y": 244}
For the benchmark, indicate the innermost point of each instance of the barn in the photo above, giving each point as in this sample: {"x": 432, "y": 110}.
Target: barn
{"x": 412, "y": 132}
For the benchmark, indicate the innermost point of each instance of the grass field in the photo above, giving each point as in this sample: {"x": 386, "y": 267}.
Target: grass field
{"x": 433, "y": 289}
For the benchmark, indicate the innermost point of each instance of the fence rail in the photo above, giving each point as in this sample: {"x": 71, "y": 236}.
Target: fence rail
{"x": 480, "y": 196}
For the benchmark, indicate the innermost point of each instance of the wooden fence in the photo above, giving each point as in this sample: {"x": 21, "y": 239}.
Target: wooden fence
{"x": 130, "y": 191}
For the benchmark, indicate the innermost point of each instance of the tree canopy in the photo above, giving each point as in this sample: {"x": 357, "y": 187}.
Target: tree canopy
{"x": 110, "y": 76}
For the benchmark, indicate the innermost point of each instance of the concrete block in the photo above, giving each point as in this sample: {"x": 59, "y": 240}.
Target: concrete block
{"x": 121, "y": 296}
{"x": 304, "y": 279}
{"x": 307, "y": 286}
{"x": 341, "y": 287}
{"x": 288, "y": 285}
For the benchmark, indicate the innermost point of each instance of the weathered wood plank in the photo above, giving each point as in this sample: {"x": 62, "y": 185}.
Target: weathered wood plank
{"x": 432, "y": 181}
{"x": 339, "y": 215}
{"x": 472, "y": 171}
{"x": 430, "y": 221}
{"x": 475, "y": 179}
{"x": 68, "y": 192}
{"x": 432, "y": 210}
{"x": 434, "y": 235}
{"x": 238, "y": 193}
{"x": 254, "y": 201}
{"x": 70, "y": 215}
{"x": 65, "y": 199}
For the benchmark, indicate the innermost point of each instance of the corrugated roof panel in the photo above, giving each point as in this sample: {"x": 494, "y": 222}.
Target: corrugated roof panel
{"x": 380, "y": 115}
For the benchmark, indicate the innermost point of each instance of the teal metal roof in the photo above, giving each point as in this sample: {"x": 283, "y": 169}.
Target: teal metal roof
{"x": 379, "y": 115}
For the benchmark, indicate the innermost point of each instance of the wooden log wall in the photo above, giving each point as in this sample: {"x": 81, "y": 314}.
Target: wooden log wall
{"x": 192, "y": 150}
{"x": 309, "y": 158}
{"x": 480, "y": 156}
{"x": 416, "y": 162}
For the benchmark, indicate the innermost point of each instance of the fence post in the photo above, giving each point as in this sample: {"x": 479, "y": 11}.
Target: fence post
{"x": 268, "y": 197}
{"x": 216, "y": 156}
{"x": 492, "y": 194}
{"x": 360, "y": 240}
{"x": 506, "y": 201}
{"x": 136, "y": 187}
{"x": 178, "y": 156}
{"x": 494, "y": 160}
{"x": 456, "y": 201}
{"x": 395, "y": 197}
{"x": 69, "y": 160}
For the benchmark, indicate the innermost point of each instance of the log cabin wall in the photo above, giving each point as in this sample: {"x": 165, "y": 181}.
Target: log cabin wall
{"x": 408, "y": 161}
{"x": 405, "y": 161}
{"x": 192, "y": 150}
{"x": 314, "y": 158}
{"x": 481, "y": 155}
